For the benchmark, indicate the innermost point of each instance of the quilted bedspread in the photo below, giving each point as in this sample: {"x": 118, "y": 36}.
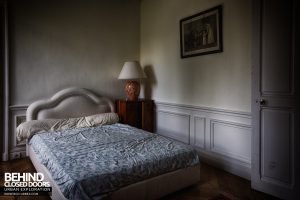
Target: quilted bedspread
{"x": 90, "y": 163}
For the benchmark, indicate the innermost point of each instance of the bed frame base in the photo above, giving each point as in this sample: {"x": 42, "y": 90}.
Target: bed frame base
{"x": 153, "y": 188}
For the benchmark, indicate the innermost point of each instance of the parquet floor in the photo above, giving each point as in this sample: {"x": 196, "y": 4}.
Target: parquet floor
{"x": 215, "y": 184}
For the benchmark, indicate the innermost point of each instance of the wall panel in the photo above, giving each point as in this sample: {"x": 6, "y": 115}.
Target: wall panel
{"x": 221, "y": 137}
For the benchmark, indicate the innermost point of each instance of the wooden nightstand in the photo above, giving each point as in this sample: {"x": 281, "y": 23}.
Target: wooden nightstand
{"x": 136, "y": 113}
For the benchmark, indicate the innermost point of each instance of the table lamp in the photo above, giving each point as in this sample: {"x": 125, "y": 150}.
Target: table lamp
{"x": 132, "y": 72}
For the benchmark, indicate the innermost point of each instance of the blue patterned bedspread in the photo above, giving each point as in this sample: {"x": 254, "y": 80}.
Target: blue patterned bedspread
{"x": 90, "y": 163}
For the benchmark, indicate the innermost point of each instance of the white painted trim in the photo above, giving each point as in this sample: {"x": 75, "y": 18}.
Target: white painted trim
{"x": 183, "y": 115}
{"x": 15, "y": 150}
{"x": 204, "y": 109}
{"x": 18, "y": 107}
{"x": 241, "y": 121}
{"x": 195, "y": 133}
{"x": 230, "y": 124}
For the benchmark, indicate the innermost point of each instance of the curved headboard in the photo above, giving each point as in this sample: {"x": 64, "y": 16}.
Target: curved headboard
{"x": 69, "y": 103}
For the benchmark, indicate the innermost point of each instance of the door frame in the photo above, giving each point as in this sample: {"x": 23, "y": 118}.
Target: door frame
{"x": 4, "y": 86}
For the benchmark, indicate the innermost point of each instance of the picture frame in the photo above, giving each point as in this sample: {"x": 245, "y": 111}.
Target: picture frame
{"x": 201, "y": 33}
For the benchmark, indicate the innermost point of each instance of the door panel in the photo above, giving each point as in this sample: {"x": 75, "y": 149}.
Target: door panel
{"x": 277, "y": 47}
{"x": 274, "y": 148}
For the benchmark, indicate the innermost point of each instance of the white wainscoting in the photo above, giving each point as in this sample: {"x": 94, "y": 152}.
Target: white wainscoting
{"x": 180, "y": 129}
{"x": 17, "y": 114}
{"x": 222, "y": 137}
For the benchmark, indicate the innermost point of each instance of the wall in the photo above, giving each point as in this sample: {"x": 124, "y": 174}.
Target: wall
{"x": 220, "y": 80}
{"x": 204, "y": 101}
{"x": 58, "y": 44}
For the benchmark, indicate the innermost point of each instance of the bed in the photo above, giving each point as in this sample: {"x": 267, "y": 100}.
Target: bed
{"x": 176, "y": 172}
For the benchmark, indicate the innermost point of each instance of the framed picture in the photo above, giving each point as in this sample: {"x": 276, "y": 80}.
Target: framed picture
{"x": 201, "y": 33}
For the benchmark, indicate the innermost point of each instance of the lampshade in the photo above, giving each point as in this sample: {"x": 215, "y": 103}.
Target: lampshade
{"x": 132, "y": 70}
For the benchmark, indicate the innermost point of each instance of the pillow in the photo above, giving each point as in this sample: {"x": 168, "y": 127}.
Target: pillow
{"x": 28, "y": 129}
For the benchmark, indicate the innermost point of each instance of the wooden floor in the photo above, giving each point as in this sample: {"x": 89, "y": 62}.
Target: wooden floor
{"x": 215, "y": 184}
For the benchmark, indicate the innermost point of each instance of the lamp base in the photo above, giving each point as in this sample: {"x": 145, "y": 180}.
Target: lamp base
{"x": 132, "y": 90}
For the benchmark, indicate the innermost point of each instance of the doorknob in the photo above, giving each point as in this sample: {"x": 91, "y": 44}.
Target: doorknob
{"x": 261, "y": 101}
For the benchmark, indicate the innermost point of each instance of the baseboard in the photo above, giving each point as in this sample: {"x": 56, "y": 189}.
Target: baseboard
{"x": 230, "y": 165}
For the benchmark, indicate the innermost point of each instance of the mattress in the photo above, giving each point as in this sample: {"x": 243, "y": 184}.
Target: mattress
{"x": 91, "y": 163}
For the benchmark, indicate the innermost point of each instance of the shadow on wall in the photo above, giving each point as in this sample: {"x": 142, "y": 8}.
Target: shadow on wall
{"x": 150, "y": 81}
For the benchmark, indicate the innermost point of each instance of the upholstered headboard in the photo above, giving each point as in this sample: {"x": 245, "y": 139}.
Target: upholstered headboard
{"x": 69, "y": 103}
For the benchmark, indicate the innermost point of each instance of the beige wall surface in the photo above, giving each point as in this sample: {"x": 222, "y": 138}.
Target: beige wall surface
{"x": 58, "y": 44}
{"x": 221, "y": 80}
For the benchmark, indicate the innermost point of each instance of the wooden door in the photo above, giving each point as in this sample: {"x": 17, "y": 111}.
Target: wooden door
{"x": 274, "y": 147}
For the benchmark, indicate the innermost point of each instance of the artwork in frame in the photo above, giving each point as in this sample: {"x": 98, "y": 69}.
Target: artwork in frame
{"x": 201, "y": 33}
